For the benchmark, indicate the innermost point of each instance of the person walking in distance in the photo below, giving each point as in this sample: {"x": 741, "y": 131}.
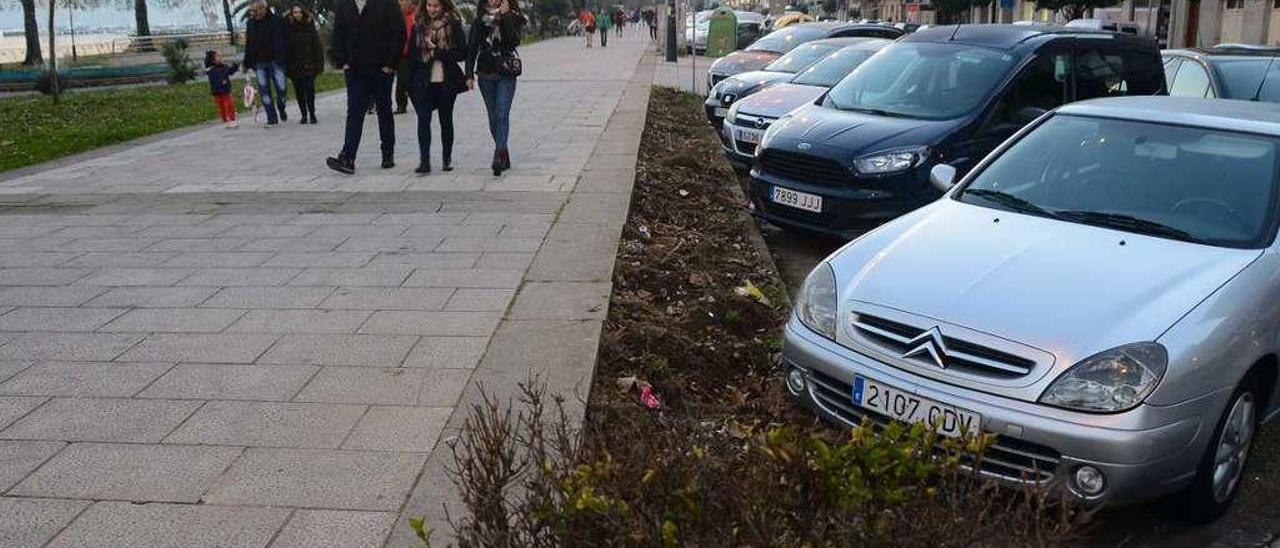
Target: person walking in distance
{"x": 437, "y": 44}
{"x": 306, "y": 56}
{"x": 368, "y": 38}
{"x": 588, "y": 20}
{"x": 620, "y": 21}
{"x": 266, "y": 54}
{"x": 604, "y": 22}
{"x": 403, "y": 78}
{"x": 494, "y": 65}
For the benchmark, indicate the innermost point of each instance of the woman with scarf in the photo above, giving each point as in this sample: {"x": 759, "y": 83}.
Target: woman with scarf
{"x": 493, "y": 64}
{"x": 437, "y": 44}
{"x": 306, "y": 58}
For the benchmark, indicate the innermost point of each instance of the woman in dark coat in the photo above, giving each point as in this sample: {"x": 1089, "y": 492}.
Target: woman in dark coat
{"x": 494, "y": 38}
{"x": 306, "y": 58}
{"x": 437, "y": 43}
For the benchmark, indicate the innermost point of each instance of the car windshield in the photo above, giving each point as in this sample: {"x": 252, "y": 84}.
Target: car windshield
{"x": 1193, "y": 184}
{"x": 1240, "y": 77}
{"x": 799, "y": 58}
{"x": 787, "y": 39}
{"x": 832, "y": 68}
{"x": 922, "y": 80}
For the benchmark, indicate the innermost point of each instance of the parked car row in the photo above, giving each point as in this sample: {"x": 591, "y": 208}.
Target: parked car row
{"x": 770, "y": 47}
{"x": 1064, "y": 259}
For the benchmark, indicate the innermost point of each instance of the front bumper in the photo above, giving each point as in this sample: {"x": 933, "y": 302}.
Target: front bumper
{"x": 739, "y": 154}
{"x": 847, "y": 211}
{"x": 1035, "y": 443}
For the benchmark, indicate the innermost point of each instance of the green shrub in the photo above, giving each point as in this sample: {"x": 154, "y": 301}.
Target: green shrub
{"x": 526, "y": 480}
{"x": 181, "y": 68}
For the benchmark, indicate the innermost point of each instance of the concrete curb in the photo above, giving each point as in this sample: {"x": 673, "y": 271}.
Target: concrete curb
{"x": 552, "y": 329}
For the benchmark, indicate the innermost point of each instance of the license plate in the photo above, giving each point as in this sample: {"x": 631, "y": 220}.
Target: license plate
{"x": 749, "y": 136}
{"x": 798, "y": 200}
{"x": 904, "y": 406}
{"x": 721, "y": 112}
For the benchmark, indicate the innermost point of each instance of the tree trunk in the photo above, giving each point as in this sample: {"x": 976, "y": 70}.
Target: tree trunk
{"x": 231, "y": 26}
{"x": 53, "y": 56}
{"x": 140, "y": 17}
{"x": 32, "y": 33}
{"x": 143, "y": 25}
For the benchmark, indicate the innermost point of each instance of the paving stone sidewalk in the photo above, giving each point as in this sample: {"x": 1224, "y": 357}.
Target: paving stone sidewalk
{"x": 267, "y": 353}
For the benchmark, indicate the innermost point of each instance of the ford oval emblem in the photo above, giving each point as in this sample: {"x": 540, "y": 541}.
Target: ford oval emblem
{"x": 804, "y": 146}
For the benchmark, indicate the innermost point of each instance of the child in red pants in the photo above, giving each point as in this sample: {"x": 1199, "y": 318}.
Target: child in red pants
{"x": 220, "y": 84}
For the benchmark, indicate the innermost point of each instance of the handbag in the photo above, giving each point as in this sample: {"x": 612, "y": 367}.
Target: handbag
{"x": 508, "y": 63}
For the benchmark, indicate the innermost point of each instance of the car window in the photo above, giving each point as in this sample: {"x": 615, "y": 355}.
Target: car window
{"x": 800, "y": 58}
{"x": 930, "y": 80}
{"x": 1191, "y": 81}
{"x": 1043, "y": 85}
{"x": 1170, "y": 69}
{"x": 784, "y": 40}
{"x": 1240, "y": 77}
{"x": 1099, "y": 74}
{"x": 1269, "y": 91}
{"x": 832, "y": 68}
{"x": 1203, "y": 185}
{"x": 869, "y": 32}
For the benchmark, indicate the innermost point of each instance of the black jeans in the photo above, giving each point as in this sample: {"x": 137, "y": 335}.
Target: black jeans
{"x": 304, "y": 88}
{"x": 404, "y": 75}
{"x": 604, "y": 37}
{"x": 364, "y": 86}
{"x": 426, "y": 98}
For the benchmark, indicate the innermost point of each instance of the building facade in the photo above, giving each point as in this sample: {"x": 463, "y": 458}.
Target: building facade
{"x": 1174, "y": 23}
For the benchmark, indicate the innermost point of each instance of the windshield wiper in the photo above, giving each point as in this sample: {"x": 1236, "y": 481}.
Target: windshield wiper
{"x": 1008, "y": 200}
{"x": 864, "y": 110}
{"x": 1127, "y": 222}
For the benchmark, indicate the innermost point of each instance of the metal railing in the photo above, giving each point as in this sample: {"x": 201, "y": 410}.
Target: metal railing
{"x": 134, "y": 44}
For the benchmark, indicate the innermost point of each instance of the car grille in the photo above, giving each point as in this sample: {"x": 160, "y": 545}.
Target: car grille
{"x": 750, "y": 121}
{"x": 1008, "y": 458}
{"x": 745, "y": 147}
{"x": 897, "y": 339}
{"x": 803, "y": 167}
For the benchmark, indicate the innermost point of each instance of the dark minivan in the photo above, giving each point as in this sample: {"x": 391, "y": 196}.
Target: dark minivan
{"x": 861, "y": 154}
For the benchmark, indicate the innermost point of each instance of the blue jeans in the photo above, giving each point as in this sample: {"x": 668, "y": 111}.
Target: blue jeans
{"x": 271, "y": 75}
{"x": 363, "y": 86}
{"x": 498, "y": 95}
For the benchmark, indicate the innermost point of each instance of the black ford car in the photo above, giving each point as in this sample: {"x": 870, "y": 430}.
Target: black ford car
{"x": 861, "y": 154}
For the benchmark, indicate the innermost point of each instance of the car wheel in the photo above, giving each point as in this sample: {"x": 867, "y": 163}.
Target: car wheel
{"x": 1222, "y": 468}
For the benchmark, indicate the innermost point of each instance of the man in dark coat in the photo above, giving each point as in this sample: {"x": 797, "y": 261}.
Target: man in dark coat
{"x": 265, "y": 53}
{"x": 368, "y": 40}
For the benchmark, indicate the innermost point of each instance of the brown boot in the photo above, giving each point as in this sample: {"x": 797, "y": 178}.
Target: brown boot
{"x": 497, "y": 163}
{"x": 506, "y": 159}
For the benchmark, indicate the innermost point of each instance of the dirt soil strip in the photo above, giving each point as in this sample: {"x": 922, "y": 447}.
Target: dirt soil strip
{"x": 684, "y": 317}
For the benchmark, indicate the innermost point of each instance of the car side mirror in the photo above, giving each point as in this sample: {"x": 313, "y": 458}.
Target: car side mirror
{"x": 942, "y": 176}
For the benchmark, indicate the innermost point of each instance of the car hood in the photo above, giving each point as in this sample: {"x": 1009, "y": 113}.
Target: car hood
{"x": 743, "y": 61}
{"x": 778, "y": 99}
{"x": 1069, "y": 289}
{"x": 747, "y": 83}
{"x": 842, "y": 134}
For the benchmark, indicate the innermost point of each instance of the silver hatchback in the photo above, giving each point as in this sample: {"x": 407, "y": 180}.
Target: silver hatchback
{"x": 1101, "y": 293}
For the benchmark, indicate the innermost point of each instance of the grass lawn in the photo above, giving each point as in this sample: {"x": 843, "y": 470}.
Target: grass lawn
{"x": 35, "y": 131}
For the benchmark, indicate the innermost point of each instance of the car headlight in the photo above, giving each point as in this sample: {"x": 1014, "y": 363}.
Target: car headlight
{"x": 891, "y": 161}
{"x": 816, "y": 306}
{"x": 1112, "y": 381}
